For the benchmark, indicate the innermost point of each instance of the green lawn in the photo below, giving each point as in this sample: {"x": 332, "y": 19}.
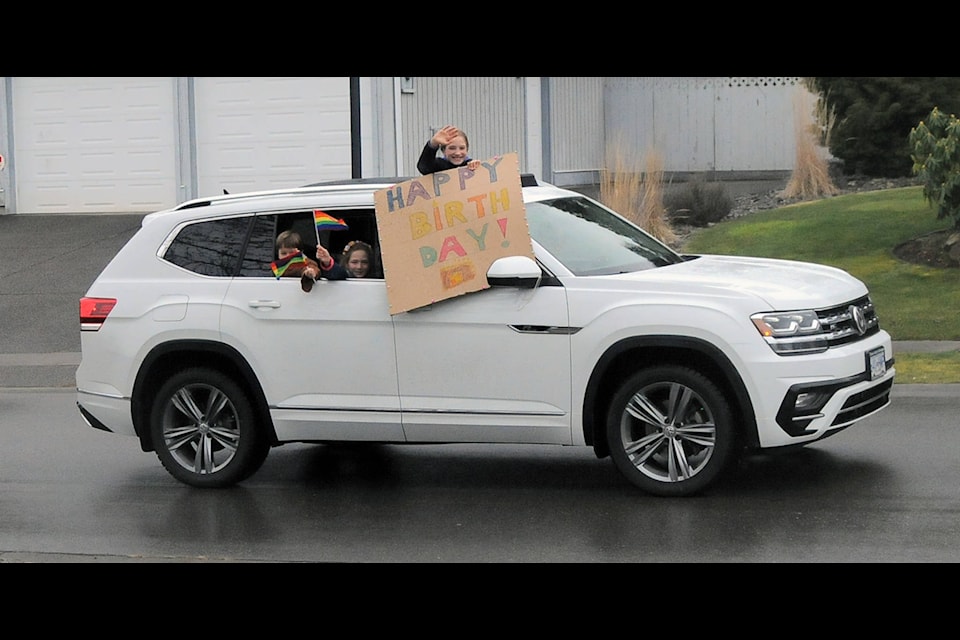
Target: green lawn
{"x": 858, "y": 232}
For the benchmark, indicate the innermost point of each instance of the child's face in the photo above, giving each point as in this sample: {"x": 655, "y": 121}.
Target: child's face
{"x": 286, "y": 252}
{"x": 358, "y": 264}
{"x": 456, "y": 151}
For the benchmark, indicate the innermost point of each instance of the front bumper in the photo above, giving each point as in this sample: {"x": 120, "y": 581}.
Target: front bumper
{"x": 796, "y": 417}
{"x": 800, "y": 399}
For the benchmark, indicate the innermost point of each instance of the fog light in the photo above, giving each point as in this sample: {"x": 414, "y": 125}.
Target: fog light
{"x": 809, "y": 402}
{"x": 803, "y": 404}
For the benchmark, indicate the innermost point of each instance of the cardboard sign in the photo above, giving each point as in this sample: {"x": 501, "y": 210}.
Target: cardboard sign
{"x": 440, "y": 233}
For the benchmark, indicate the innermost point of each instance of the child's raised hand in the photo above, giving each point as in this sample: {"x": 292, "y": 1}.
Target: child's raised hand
{"x": 445, "y": 135}
{"x": 324, "y": 257}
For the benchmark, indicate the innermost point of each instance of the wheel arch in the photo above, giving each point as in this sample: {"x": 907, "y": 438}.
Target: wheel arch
{"x": 626, "y": 356}
{"x": 169, "y": 357}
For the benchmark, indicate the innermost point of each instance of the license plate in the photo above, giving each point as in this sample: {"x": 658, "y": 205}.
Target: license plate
{"x": 876, "y": 363}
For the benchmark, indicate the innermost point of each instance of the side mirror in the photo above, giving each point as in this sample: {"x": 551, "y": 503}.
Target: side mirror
{"x": 514, "y": 271}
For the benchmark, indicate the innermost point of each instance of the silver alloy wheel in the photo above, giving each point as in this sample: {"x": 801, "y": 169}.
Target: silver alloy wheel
{"x": 668, "y": 432}
{"x": 201, "y": 428}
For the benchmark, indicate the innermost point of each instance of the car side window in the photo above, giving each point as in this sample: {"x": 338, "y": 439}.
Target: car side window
{"x": 363, "y": 226}
{"x": 210, "y": 248}
{"x": 260, "y": 252}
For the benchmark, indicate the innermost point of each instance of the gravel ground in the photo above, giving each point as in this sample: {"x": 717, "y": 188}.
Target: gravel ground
{"x": 751, "y": 203}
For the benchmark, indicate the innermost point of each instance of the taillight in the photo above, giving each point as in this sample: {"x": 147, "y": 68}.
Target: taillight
{"x": 93, "y": 311}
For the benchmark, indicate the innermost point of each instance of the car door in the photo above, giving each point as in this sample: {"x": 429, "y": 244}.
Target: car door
{"x": 325, "y": 359}
{"x": 488, "y": 366}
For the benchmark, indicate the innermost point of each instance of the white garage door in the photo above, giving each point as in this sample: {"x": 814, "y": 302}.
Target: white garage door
{"x": 269, "y": 133}
{"x": 94, "y": 145}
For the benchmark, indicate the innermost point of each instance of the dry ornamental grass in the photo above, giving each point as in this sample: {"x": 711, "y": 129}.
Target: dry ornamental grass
{"x": 811, "y": 175}
{"x": 636, "y": 194}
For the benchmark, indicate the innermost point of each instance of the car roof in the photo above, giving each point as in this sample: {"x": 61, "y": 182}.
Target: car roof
{"x": 355, "y": 192}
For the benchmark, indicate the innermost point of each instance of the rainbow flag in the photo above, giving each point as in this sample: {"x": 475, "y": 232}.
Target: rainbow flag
{"x": 326, "y": 222}
{"x": 279, "y": 266}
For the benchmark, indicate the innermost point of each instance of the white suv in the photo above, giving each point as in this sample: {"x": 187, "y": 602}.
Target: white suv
{"x": 672, "y": 365}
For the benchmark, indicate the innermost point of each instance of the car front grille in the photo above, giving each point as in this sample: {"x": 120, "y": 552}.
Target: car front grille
{"x": 849, "y": 322}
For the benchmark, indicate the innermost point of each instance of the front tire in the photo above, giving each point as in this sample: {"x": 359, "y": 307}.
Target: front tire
{"x": 205, "y": 430}
{"x": 670, "y": 431}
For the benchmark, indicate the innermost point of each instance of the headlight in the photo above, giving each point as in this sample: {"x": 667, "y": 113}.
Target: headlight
{"x": 781, "y": 325}
{"x": 791, "y": 332}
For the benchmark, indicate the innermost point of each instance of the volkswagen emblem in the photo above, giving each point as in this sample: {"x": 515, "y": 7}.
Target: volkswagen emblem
{"x": 856, "y": 314}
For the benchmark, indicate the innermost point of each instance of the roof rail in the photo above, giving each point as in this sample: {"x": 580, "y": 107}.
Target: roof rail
{"x": 526, "y": 180}
{"x": 358, "y": 181}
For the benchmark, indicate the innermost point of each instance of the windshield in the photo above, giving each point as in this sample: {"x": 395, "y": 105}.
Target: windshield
{"x": 591, "y": 240}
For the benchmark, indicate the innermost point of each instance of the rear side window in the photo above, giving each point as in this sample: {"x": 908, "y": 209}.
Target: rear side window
{"x": 211, "y": 248}
{"x": 245, "y": 246}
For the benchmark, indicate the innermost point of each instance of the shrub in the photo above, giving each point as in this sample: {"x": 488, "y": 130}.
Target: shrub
{"x": 699, "y": 203}
{"x": 936, "y": 161}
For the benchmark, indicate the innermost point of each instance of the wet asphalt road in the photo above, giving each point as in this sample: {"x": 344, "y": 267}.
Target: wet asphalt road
{"x": 884, "y": 491}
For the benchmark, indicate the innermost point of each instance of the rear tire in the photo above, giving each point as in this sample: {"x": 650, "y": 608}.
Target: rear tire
{"x": 205, "y": 430}
{"x": 670, "y": 431}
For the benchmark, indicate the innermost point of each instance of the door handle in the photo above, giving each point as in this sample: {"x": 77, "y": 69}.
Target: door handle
{"x": 270, "y": 304}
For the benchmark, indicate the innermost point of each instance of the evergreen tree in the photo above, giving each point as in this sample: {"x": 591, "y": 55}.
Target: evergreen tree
{"x": 874, "y": 117}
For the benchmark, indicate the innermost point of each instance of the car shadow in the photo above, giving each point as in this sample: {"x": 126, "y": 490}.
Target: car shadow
{"x": 801, "y": 470}
{"x": 485, "y": 466}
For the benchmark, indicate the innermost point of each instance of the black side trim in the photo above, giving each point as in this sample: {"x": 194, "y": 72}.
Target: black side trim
{"x": 93, "y": 422}
{"x": 544, "y": 329}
